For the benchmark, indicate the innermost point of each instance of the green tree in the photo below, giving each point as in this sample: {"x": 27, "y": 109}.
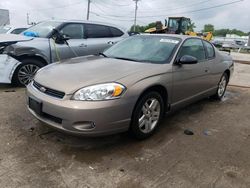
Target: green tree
{"x": 141, "y": 29}
{"x": 208, "y": 28}
{"x": 138, "y": 28}
{"x": 224, "y": 32}
{"x": 192, "y": 26}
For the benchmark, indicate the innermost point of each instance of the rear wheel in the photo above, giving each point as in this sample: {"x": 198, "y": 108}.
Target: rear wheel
{"x": 25, "y": 72}
{"x": 147, "y": 115}
{"x": 222, "y": 86}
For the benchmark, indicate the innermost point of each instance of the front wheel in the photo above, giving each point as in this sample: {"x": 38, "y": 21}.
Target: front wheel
{"x": 25, "y": 72}
{"x": 147, "y": 115}
{"x": 222, "y": 86}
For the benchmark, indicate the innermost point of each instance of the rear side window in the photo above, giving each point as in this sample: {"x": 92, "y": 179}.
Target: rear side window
{"x": 193, "y": 47}
{"x": 209, "y": 49}
{"x": 116, "y": 32}
{"x": 73, "y": 31}
{"x": 98, "y": 31}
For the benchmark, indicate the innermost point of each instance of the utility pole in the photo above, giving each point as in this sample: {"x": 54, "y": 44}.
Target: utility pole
{"x": 88, "y": 9}
{"x": 136, "y": 8}
{"x": 28, "y": 19}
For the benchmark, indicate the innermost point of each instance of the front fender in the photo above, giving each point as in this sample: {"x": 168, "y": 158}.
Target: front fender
{"x": 8, "y": 66}
{"x": 21, "y": 51}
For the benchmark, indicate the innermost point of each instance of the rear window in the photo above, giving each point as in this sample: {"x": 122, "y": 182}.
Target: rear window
{"x": 116, "y": 32}
{"x": 98, "y": 31}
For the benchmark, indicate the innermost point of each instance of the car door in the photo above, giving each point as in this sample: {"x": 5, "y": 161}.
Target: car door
{"x": 212, "y": 66}
{"x": 100, "y": 37}
{"x": 76, "y": 43}
{"x": 189, "y": 80}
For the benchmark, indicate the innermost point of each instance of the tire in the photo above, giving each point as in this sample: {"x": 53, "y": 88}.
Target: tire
{"x": 150, "y": 117}
{"x": 222, "y": 86}
{"x": 28, "y": 67}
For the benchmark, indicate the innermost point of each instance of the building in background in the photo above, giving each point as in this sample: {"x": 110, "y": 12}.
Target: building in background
{"x": 4, "y": 17}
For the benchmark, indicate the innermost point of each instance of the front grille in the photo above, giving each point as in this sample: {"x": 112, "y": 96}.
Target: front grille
{"x": 48, "y": 91}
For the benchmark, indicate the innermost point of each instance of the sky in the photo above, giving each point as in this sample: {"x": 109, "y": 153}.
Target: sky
{"x": 121, "y": 12}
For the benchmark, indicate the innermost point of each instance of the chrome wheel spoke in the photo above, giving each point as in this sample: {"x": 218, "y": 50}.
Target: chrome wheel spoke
{"x": 147, "y": 126}
{"x": 154, "y": 104}
{"x": 142, "y": 121}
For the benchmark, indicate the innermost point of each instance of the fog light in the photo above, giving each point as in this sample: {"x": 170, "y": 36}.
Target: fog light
{"x": 84, "y": 125}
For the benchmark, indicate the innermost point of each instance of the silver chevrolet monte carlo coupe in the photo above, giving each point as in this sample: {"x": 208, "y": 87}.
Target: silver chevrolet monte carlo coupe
{"x": 130, "y": 86}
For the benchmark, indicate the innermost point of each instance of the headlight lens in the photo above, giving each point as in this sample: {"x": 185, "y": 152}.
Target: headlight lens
{"x": 99, "y": 92}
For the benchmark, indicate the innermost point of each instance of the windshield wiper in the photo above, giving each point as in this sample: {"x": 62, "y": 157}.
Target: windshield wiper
{"x": 102, "y": 54}
{"x": 124, "y": 58}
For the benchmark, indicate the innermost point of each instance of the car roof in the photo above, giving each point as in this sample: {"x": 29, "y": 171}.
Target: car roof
{"x": 183, "y": 37}
{"x": 16, "y": 27}
{"x": 87, "y": 21}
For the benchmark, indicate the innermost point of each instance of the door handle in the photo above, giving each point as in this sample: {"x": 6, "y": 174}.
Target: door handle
{"x": 83, "y": 45}
{"x": 110, "y": 42}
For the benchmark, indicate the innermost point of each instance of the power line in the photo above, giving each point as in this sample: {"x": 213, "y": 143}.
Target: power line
{"x": 57, "y": 7}
{"x": 171, "y": 9}
{"x": 104, "y": 12}
{"x": 197, "y": 10}
{"x": 104, "y": 16}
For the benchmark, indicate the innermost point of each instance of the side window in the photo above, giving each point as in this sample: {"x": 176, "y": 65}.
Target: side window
{"x": 73, "y": 31}
{"x": 116, "y": 32}
{"x": 98, "y": 31}
{"x": 209, "y": 49}
{"x": 193, "y": 47}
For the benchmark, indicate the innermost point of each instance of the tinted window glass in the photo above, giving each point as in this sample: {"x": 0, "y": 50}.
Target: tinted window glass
{"x": 116, "y": 32}
{"x": 210, "y": 49}
{"x": 193, "y": 47}
{"x": 97, "y": 31}
{"x": 73, "y": 31}
{"x": 18, "y": 31}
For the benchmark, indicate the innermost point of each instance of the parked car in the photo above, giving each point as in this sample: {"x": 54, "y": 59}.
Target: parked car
{"x": 8, "y": 29}
{"x": 130, "y": 86}
{"x": 55, "y": 40}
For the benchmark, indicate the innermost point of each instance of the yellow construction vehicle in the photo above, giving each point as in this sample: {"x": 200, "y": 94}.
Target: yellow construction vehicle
{"x": 178, "y": 25}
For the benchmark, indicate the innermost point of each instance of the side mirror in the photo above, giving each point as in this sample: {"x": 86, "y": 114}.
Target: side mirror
{"x": 59, "y": 38}
{"x": 187, "y": 59}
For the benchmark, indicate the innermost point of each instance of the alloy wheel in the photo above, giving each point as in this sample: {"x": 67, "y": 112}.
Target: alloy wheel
{"x": 149, "y": 115}
{"x": 222, "y": 86}
{"x": 26, "y": 73}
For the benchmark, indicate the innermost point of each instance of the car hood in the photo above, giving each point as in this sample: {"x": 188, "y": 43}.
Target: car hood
{"x": 71, "y": 75}
{"x": 8, "y": 39}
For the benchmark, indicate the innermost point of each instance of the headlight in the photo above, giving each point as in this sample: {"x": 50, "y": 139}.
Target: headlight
{"x": 99, "y": 92}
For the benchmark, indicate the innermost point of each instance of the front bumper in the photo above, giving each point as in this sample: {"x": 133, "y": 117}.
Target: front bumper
{"x": 7, "y": 67}
{"x": 87, "y": 118}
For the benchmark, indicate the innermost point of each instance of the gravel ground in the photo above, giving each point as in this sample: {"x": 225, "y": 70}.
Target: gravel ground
{"x": 217, "y": 155}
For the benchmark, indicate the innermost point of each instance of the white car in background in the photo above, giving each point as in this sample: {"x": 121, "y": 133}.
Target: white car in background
{"x": 8, "y": 29}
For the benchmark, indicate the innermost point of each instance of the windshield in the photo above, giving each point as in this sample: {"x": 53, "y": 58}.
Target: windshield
{"x": 174, "y": 23}
{"x": 42, "y": 29}
{"x": 4, "y": 30}
{"x": 144, "y": 48}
